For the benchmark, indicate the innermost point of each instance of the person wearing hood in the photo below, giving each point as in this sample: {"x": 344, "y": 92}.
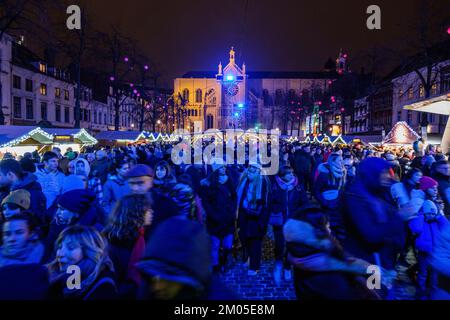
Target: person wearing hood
{"x": 84, "y": 247}
{"x": 322, "y": 270}
{"x": 394, "y": 164}
{"x": 287, "y": 195}
{"x": 14, "y": 178}
{"x": 253, "y": 199}
{"x": 218, "y": 195}
{"x": 21, "y": 244}
{"x": 328, "y": 190}
{"x": 50, "y": 178}
{"x": 375, "y": 227}
{"x": 441, "y": 173}
{"x": 116, "y": 187}
{"x": 126, "y": 233}
{"x": 164, "y": 179}
{"x": 177, "y": 264}
{"x": 426, "y": 227}
{"x": 77, "y": 206}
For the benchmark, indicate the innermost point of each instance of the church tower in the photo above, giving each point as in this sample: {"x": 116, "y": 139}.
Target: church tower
{"x": 233, "y": 85}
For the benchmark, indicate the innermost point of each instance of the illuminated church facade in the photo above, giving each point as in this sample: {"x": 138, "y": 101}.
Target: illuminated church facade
{"x": 233, "y": 97}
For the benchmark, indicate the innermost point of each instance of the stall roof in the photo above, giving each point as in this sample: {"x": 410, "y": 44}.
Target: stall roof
{"x": 364, "y": 139}
{"x": 120, "y": 135}
{"x": 401, "y": 133}
{"x": 80, "y": 134}
{"x": 13, "y": 135}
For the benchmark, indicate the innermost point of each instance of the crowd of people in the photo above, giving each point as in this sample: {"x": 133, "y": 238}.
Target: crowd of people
{"x": 137, "y": 226}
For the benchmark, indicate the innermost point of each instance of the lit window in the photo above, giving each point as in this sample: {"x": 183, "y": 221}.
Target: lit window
{"x": 410, "y": 93}
{"x": 57, "y": 92}
{"x": 66, "y": 94}
{"x": 42, "y": 67}
{"x": 434, "y": 88}
{"x": 421, "y": 91}
{"x": 43, "y": 89}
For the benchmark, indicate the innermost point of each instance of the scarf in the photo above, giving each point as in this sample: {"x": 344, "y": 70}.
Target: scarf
{"x": 31, "y": 253}
{"x": 136, "y": 254}
{"x": 287, "y": 186}
{"x": 253, "y": 189}
{"x": 89, "y": 274}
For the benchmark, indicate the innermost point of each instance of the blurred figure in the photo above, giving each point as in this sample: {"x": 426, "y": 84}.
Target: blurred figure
{"x": 287, "y": 195}
{"x": 116, "y": 187}
{"x": 126, "y": 235}
{"x": 184, "y": 244}
{"x": 20, "y": 244}
{"x": 426, "y": 227}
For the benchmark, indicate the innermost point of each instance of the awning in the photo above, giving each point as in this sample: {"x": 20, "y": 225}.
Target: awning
{"x": 438, "y": 105}
{"x": 401, "y": 134}
{"x": 129, "y": 136}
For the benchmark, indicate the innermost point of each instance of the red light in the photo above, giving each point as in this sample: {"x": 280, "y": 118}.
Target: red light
{"x": 448, "y": 30}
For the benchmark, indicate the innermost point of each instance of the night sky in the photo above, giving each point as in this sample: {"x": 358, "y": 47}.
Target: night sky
{"x": 271, "y": 35}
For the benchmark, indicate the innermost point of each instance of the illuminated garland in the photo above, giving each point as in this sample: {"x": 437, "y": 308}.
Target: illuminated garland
{"x": 26, "y": 136}
{"x": 82, "y": 132}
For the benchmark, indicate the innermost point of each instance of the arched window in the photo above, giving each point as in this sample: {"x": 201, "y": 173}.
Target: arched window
{"x": 196, "y": 112}
{"x": 209, "y": 121}
{"x": 186, "y": 95}
{"x": 198, "y": 96}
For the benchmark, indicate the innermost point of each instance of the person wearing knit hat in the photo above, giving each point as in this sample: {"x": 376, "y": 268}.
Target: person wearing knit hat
{"x": 140, "y": 178}
{"x": 426, "y": 183}
{"x": 73, "y": 182}
{"x": 426, "y": 227}
{"x": 16, "y": 202}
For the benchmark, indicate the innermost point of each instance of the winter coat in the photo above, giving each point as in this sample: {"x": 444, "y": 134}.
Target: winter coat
{"x": 219, "y": 202}
{"x": 371, "y": 218}
{"x": 444, "y": 190}
{"x": 100, "y": 169}
{"x": 32, "y": 253}
{"x": 440, "y": 262}
{"x": 286, "y": 201}
{"x": 253, "y": 225}
{"x": 303, "y": 163}
{"x": 103, "y": 287}
{"x": 427, "y": 231}
{"x": 197, "y": 175}
{"x": 51, "y": 183}
{"x": 317, "y": 268}
{"x": 120, "y": 252}
{"x": 24, "y": 282}
{"x": 113, "y": 190}
{"x": 38, "y": 203}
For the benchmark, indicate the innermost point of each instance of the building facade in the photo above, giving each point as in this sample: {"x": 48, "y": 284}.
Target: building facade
{"x": 36, "y": 93}
{"x": 234, "y": 97}
{"x": 409, "y": 89}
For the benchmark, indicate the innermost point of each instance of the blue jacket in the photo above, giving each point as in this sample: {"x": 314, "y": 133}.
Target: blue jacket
{"x": 427, "y": 232}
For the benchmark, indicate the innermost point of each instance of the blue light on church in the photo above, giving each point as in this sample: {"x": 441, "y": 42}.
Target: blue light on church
{"x": 240, "y": 105}
{"x": 236, "y": 114}
{"x": 230, "y": 77}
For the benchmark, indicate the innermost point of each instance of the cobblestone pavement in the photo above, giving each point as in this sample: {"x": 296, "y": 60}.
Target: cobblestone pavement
{"x": 262, "y": 286}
